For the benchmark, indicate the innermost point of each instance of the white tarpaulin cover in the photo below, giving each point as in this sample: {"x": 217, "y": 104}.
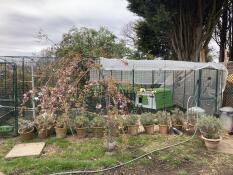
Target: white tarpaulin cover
{"x": 125, "y": 64}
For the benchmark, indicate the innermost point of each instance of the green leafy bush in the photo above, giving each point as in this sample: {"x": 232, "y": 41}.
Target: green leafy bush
{"x": 98, "y": 121}
{"x": 192, "y": 118}
{"x": 177, "y": 117}
{"x": 148, "y": 119}
{"x": 209, "y": 126}
{"x": 25, "y": 125}
{"x": 81, "y": 121}
{"x": 131, "y": 120}
{"x": 61, "y": 121}
{"x": 164, "y": 117}
{"x": 44, "y": 121}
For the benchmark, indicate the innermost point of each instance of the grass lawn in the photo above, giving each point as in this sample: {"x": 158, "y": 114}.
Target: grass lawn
{"x": 73, "y": 154}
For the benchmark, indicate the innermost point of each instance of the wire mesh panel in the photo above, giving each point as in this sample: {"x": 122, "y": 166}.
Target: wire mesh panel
{"x": 143, "y": 77}
{"x": 8, "y": 99}
{"x": 190, "y": 82}
{"x": 178, "y": 86}
{"x": 228, "y": 93}
{"x": 210, "y": 91}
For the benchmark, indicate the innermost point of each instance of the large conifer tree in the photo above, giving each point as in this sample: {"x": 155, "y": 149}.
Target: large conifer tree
{"x": 180, "y": 26}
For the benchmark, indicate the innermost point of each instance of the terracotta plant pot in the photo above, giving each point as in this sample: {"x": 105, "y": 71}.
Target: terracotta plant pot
{"x": 25, "y": 136}
{"x": 133, "y": 129}
{"x": 211, "y": 143}
{"x": 179, "y": 127}
{"x": 149, "y": 129}
{"x": 60, "y": 132}
{"x": 163, "y": 129}
{"x": 98, "y": 132}
{"x": 81, "y": 132}
{"x": 115, "y": 132}
{"x": 42, "y": 133}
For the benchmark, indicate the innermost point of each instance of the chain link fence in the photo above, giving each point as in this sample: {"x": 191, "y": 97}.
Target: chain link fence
{"x": 228, "y": 93}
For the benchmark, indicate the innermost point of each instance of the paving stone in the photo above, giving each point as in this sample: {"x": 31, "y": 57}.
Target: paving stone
{"x": 226, "y": 146}
{"x": 1, "y": 173}
{"x": 27, "y": 149}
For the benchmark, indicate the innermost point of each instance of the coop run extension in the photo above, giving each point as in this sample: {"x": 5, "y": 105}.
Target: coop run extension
{"x": 8, "y": 98}
{"x": 160, "y": 84}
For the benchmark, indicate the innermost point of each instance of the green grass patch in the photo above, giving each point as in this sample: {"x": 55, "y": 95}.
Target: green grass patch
{"x": 64, "y": 155}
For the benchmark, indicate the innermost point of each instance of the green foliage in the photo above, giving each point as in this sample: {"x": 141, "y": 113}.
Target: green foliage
{"x": 61, "y": 121}
{"x": 180, "y": 27}
{"x": 131, "y": 120}
{"x": 177, "y": 117}
{"x": 153, "y": 31}
{"x": 150, "y": 40}
{"x": 148, "y": 119}
{"x": 44, "y": 121}
{"x": 164, "y": 117}
{"x": 92, "y": 43}
{"x": 98, "y": 121}
{"x": 209, "y": 126}
{"x": 192, "y": 118}
{"x": 81, "y": 121}
{"x": 25, "y": 125}
{"x": 63, "y": 155}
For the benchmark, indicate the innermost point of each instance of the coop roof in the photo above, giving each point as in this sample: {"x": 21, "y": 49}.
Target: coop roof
{"x": 127, "y": 65}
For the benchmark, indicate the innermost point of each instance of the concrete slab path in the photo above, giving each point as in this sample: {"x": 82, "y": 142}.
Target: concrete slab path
{"x": 26, "y": 149}
{"x": 226, "y": 145}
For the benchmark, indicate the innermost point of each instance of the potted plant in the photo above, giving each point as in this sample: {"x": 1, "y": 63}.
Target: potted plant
{"x": 81, "y": 124}
{"x": 115, "y": 123}
{"x": 43, "y": 123}
{"x": 190, "y": 125}
{"x": 61, "y": 126}
{"x": 148, "y": 120}
{"x": 209, "y": 127}
{"x": 98, "y": 124}
{"x": 177, "y": 119}
{"x": 132, "y": 124}
{"x": 164, "y": 121}
{"x": 26, "y": 128}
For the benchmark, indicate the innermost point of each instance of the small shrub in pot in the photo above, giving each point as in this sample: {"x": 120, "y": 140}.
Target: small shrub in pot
{"x": 132, "y": 124}
{"x": 164, "y": 121}
{"x": 43, "y": 123}
{"x": 113, "y": 124}
{"x": 177, "y": 118}
{"x": 61, "y": 126}
{"x": 148, "y": 120}
{"x": 81, "y": 123}
{"x": 26, "y": 128}
{"x": 209, "y": 127}
{"x": 192, "y": 121}
{"x": 98, "y": 126}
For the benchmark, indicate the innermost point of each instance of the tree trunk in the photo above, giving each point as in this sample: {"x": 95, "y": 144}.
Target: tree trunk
{"x": 223, "y": 35}
{"x": 191, "y": 33}
{"x": 231, "y": 32}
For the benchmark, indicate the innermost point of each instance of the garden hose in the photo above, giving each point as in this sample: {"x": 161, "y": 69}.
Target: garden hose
{"x": 128, "y": 162}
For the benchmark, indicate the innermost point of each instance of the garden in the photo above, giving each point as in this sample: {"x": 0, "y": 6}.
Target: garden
{"x": 93, "y": 127}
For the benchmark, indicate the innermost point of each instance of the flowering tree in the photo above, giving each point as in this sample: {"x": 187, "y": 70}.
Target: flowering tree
{"x": 64, "y": 95}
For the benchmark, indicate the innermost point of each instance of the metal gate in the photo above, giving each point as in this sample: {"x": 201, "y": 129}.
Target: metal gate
{"x": 210, "y": 89}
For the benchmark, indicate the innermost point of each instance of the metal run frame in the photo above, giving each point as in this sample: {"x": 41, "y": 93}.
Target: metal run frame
{"x": 200, "y": 77}
{"x": 10, "y": 99}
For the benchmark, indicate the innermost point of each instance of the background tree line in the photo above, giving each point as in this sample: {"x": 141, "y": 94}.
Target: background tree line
{"x": 177, "y": 29}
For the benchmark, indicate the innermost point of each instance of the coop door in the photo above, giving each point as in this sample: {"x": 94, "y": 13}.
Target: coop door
{"x": 209, "y": 91}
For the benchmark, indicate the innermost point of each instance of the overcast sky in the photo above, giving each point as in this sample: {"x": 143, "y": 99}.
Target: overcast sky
{"x": 22, "y": 19}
